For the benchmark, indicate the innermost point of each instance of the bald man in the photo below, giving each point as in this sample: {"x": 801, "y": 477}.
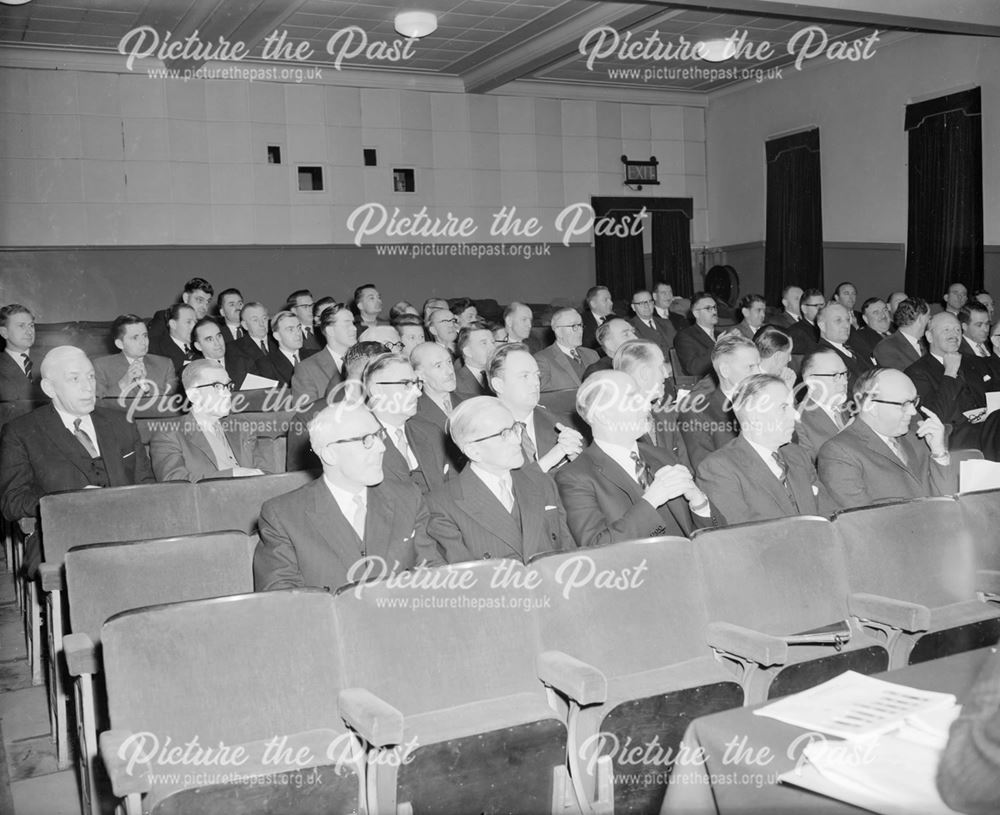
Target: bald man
{"x": 68, "y": 444}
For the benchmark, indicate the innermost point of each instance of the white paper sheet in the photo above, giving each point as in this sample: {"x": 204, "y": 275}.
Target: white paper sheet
{"x": 254, "y": 383}
{"x": 978, "y": 474}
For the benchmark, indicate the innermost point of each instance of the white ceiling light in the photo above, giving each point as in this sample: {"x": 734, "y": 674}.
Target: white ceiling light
{"x": 415, "y": 24}
{"x": 14, "y": 2}
{"x": 716, "y": 50}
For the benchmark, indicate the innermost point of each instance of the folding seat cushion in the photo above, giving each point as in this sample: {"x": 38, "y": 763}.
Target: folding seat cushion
{"x": 912, "y": 568}
{"x": 234, "y": 503}
{"x": 765, "y": 583}
{"x": 228, "y": 706}
{"x": 631, "y": 616}
{"x": 981, "y": 517}
{"x": 104, "y": 579}
{"x": 461, "y": 723}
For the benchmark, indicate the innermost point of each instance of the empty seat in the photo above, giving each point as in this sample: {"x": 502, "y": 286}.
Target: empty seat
{"x": 234, "y": 503}
{"x": 981, "y": 514}
{"x": 623, "y": 628}
{"x": 253, "y": 679}
{"x": 442, "y": 687}
{"x": 107, "y": 578}
{"x": 914, "y": 578}
{"x": 769, "y": 581}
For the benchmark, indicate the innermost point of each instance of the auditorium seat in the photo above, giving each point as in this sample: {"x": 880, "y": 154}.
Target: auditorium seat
{"x": 914, "y": 579}
{"x": 104, "y": 579}
{"x": 258, "y": 672}
{"x": 234, "y": 503}
{"x": 766, "y": 582}
{"x": 622, "y": 628}
{"x": 981, "y": 514}
{"x": 681, "y": 378}
{"x": 442, "y": 688}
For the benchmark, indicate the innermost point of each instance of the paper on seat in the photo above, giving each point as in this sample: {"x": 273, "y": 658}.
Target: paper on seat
{"x": 978, "y": 474}
{"x": 255, "y": 383}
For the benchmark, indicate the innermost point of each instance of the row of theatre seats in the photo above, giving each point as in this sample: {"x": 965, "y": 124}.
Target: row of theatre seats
{"x": 487, "y": 686}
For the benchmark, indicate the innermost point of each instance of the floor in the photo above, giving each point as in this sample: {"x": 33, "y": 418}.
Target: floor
{"x": 30, "y": 781}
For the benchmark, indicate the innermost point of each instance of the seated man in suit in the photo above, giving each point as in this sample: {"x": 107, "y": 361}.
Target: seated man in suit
{"x": 300, "y": 303}
{"x": 436, "y": 370}
{"x": 134, "y": 371}
{"x": 285, "y": 352}
{"x": 761, "y": 474}
{"x": 984, "y": 297}
{"x": 496, "y": 507}
{"x": 753, "y": 307}
{"x": 392, "y": 389}
{"x": 791, "y": 296}
{"x": 442, "y": 327}
{"x": 805, "y": 333}
{"x": 230, "y": 304}
{"x": 877, "y": 327}
{"x": 330, "y": 532}
{"x": 951, "y": 385}
{"x": 877, "y": 457}
{"x": 662, "y": 332}
{"x": 904, "y": 347}
{"x": 823, "y": 413}
{"x": 976, "y": 346}
{"x": 202, "y": 445}
{"x": 619, "y": 489}
{"x": 475, "y": 344}
{"x": 834, "y": 324}
{"x": 19, "y": 379}
{"x": 644, "y": 362}
{"x": 176, "y": 344}
{"x": 955, "y": 296}
{"x": 253, "y": 345}
{"x": 411, "y": 331}
{"x": 694, "y": 345}
{"x": 67, "y": 445}
{"x": 598, "y": 309}
{"x": 197, "y": 294}
{"x": 775, "y": 349}
{"x": 970, "y": 764}
{"x": 707, "y": 421}
{"x": 611, "y": 335}
{"x": 515, "y": 379}
{"x": 325, "y": 368}
{"x": 368, "y": 304}
{"x": 663, "y": 299}
{"x": 208, "y": 340}
{"x": 846, "y": 295}
{"x": 561, "y": 365}
{"x": 517, "y": 319}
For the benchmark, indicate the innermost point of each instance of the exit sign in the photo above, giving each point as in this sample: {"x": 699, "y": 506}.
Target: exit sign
{"x": 638, "y": 173}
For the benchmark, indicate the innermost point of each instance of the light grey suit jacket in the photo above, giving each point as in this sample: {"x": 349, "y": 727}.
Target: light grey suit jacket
{"x": 184, "y": 454}
{"x": 108, "y": 370}
{"x": 814, "y": 428}
{"x": 314, "y": 375}
{"x": 895, "y": 351}
{"x": 557, "y": 371}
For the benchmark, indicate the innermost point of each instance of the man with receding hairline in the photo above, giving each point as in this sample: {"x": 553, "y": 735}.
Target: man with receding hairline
{"x": 562, "y": 364}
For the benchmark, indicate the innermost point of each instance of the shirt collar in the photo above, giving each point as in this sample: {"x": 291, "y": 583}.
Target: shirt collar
{"x": 86, "y": 422}
{"x": 767, "y": 456}
{"x": 491, "y": 480}
{"x": 345, "y": 498}
{"x": 621, "y": 455}
{"x": 566, "y": 350}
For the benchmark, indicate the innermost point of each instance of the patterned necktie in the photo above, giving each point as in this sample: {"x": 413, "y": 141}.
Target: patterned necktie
{"x": 783, "y": 467}
{"x": 897, "y": 448}
{"x": 240, "y": 332}
{"x": 188, "y": 353}
{"x": 641, "y": 471}
{"x": 84, "y": 439}
{"x": 446, "y": 404}
{"x": 528, "y": 447}
{"x": 28, "y": 365}
{"x": 295, "y": 359}
{"x": 981, "y": 350}
{"x": 575, "y": 356}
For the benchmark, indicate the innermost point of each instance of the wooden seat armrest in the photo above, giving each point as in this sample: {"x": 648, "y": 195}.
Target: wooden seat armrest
{"x": 898, "y": 614}
{"x": 375, "y": 720}
{"x": 51, "y": 575}
{"x": 81, "y": 656}
{"x": 747, "y": 645}
{"x": 121, "y": 752}
{"x": 578, "y": 680}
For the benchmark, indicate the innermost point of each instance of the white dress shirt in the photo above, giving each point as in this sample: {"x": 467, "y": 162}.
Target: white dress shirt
{"x": 501, "y": 486}
{"x": 767, "y": 456}
{"x": 347, "y": 501}
{"x": 86, "y": 424}
{"x": 18, "y": 357}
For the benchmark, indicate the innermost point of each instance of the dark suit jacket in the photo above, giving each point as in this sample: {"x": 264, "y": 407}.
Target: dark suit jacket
{"x": 305, "y": 540}
{"x": 546, "y": 434}
{"x": 241, "y": 356}
{"x": 694, "y": 350}
{"x": 590, "y": 326}
{"x": 707, "y": 421}
{"x": 743, "y": 488}
{"x": 603, "y": 364}
{"x": 604, "y": 504}
{"x": 678, "y": 321}
{"x": 856, "y": 365}
{"x": 158, "y": 327}
{"x": 38, "y": 456}
{"x": 743, "y": 328}
{"x": 557, "y": 370}
{"x": 783, "y": 320}
{"x": 859, "y": 469}
{"x": 666, "y": 430}
{"x": 166, "y": 347}
{"x": 227, "y": 335}
{"x": 277, "y": 366}
{"x": 469, "y": 523}
{"x": 110, "y": 369}
{"x": 466, "y": 385}
{"x": 663, "y": 335}
{"x": 314, "y": 375}
{"x": 895, "y": 351}
{"x": 949, "y": 397}
{"x": 15, "y": 386}
{"x": 814, "y": 428}
{"x": 984, "y": 370}
{"x": 434, "y": 468}
{"x": 865, "y": 340}
{"x": 431, "y": 423}
{"x": 184, "y": 454}
{"x": 310, "y": 343}
{"x": 805, "y": 337}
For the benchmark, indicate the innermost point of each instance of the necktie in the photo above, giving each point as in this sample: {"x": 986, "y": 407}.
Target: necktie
{"x": 295, "y": 359}
{"x": 528, "y": 447}
{"x": 403, "y": 447}
{"x": 641, "y": 471}
{"x": 649, "y": 324}
{"x": 575, "y": 356}
{"x": 446, "y": 403}
{"x": 188, "y": 353}
{"x": 981, "y": 350}
{"x": 239, "y": 331}
{"x": 506, "y": 495}
{"x": 263, "y": 345}
{"x": 897, "y": 448}
{"x": 84, "y": 439}
{"x": 783, "y": 467}
{"x": 358, "y": 521}
{"x": 27, "y": 365}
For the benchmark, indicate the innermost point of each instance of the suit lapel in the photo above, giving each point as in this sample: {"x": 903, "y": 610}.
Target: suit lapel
{"x": 610, "y": 471}
{"x": 545, "y": 432}
{"x": 429, "y": 410}
{"x": 481, "y": 504}
{"x": 237, "y": 442}
{"x": 67, "y": 442}
{"x": 532, "y": 513}
{"x": 197, "y": 439}
{"x": 564, "y": 362}
{"x": 331, "y": 525}
{"x": 110, "y": 453}
{"x": 378, "y": 526}
{"x": 879, "y": 447}
{"x": 759, "y": 473}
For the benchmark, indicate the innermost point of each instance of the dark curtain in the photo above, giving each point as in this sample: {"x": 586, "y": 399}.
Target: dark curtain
{"x": 672, "y": 251}
{"x": 944, "y": 236}
{"x": 793, "y": 251}
{"x": 619, "y": 260}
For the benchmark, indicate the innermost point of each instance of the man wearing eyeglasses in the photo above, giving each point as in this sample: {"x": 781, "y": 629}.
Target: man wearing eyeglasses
{"x": 661, "y": 332}
{"x": 442, "y": 326}
{"x": 562, "y": 364}
{"x": 202, "y": 445}
{"x": 694, "y": 345}
{"x": 950, "y": 384}
{"x": 823, "y": 412}
{"x": 496, "y": 507}
{"x": 878, "y": 457}
{"x": 316, "y": 535}
{"x": 805, "y": 332}
{"x": 393, "y": 389}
